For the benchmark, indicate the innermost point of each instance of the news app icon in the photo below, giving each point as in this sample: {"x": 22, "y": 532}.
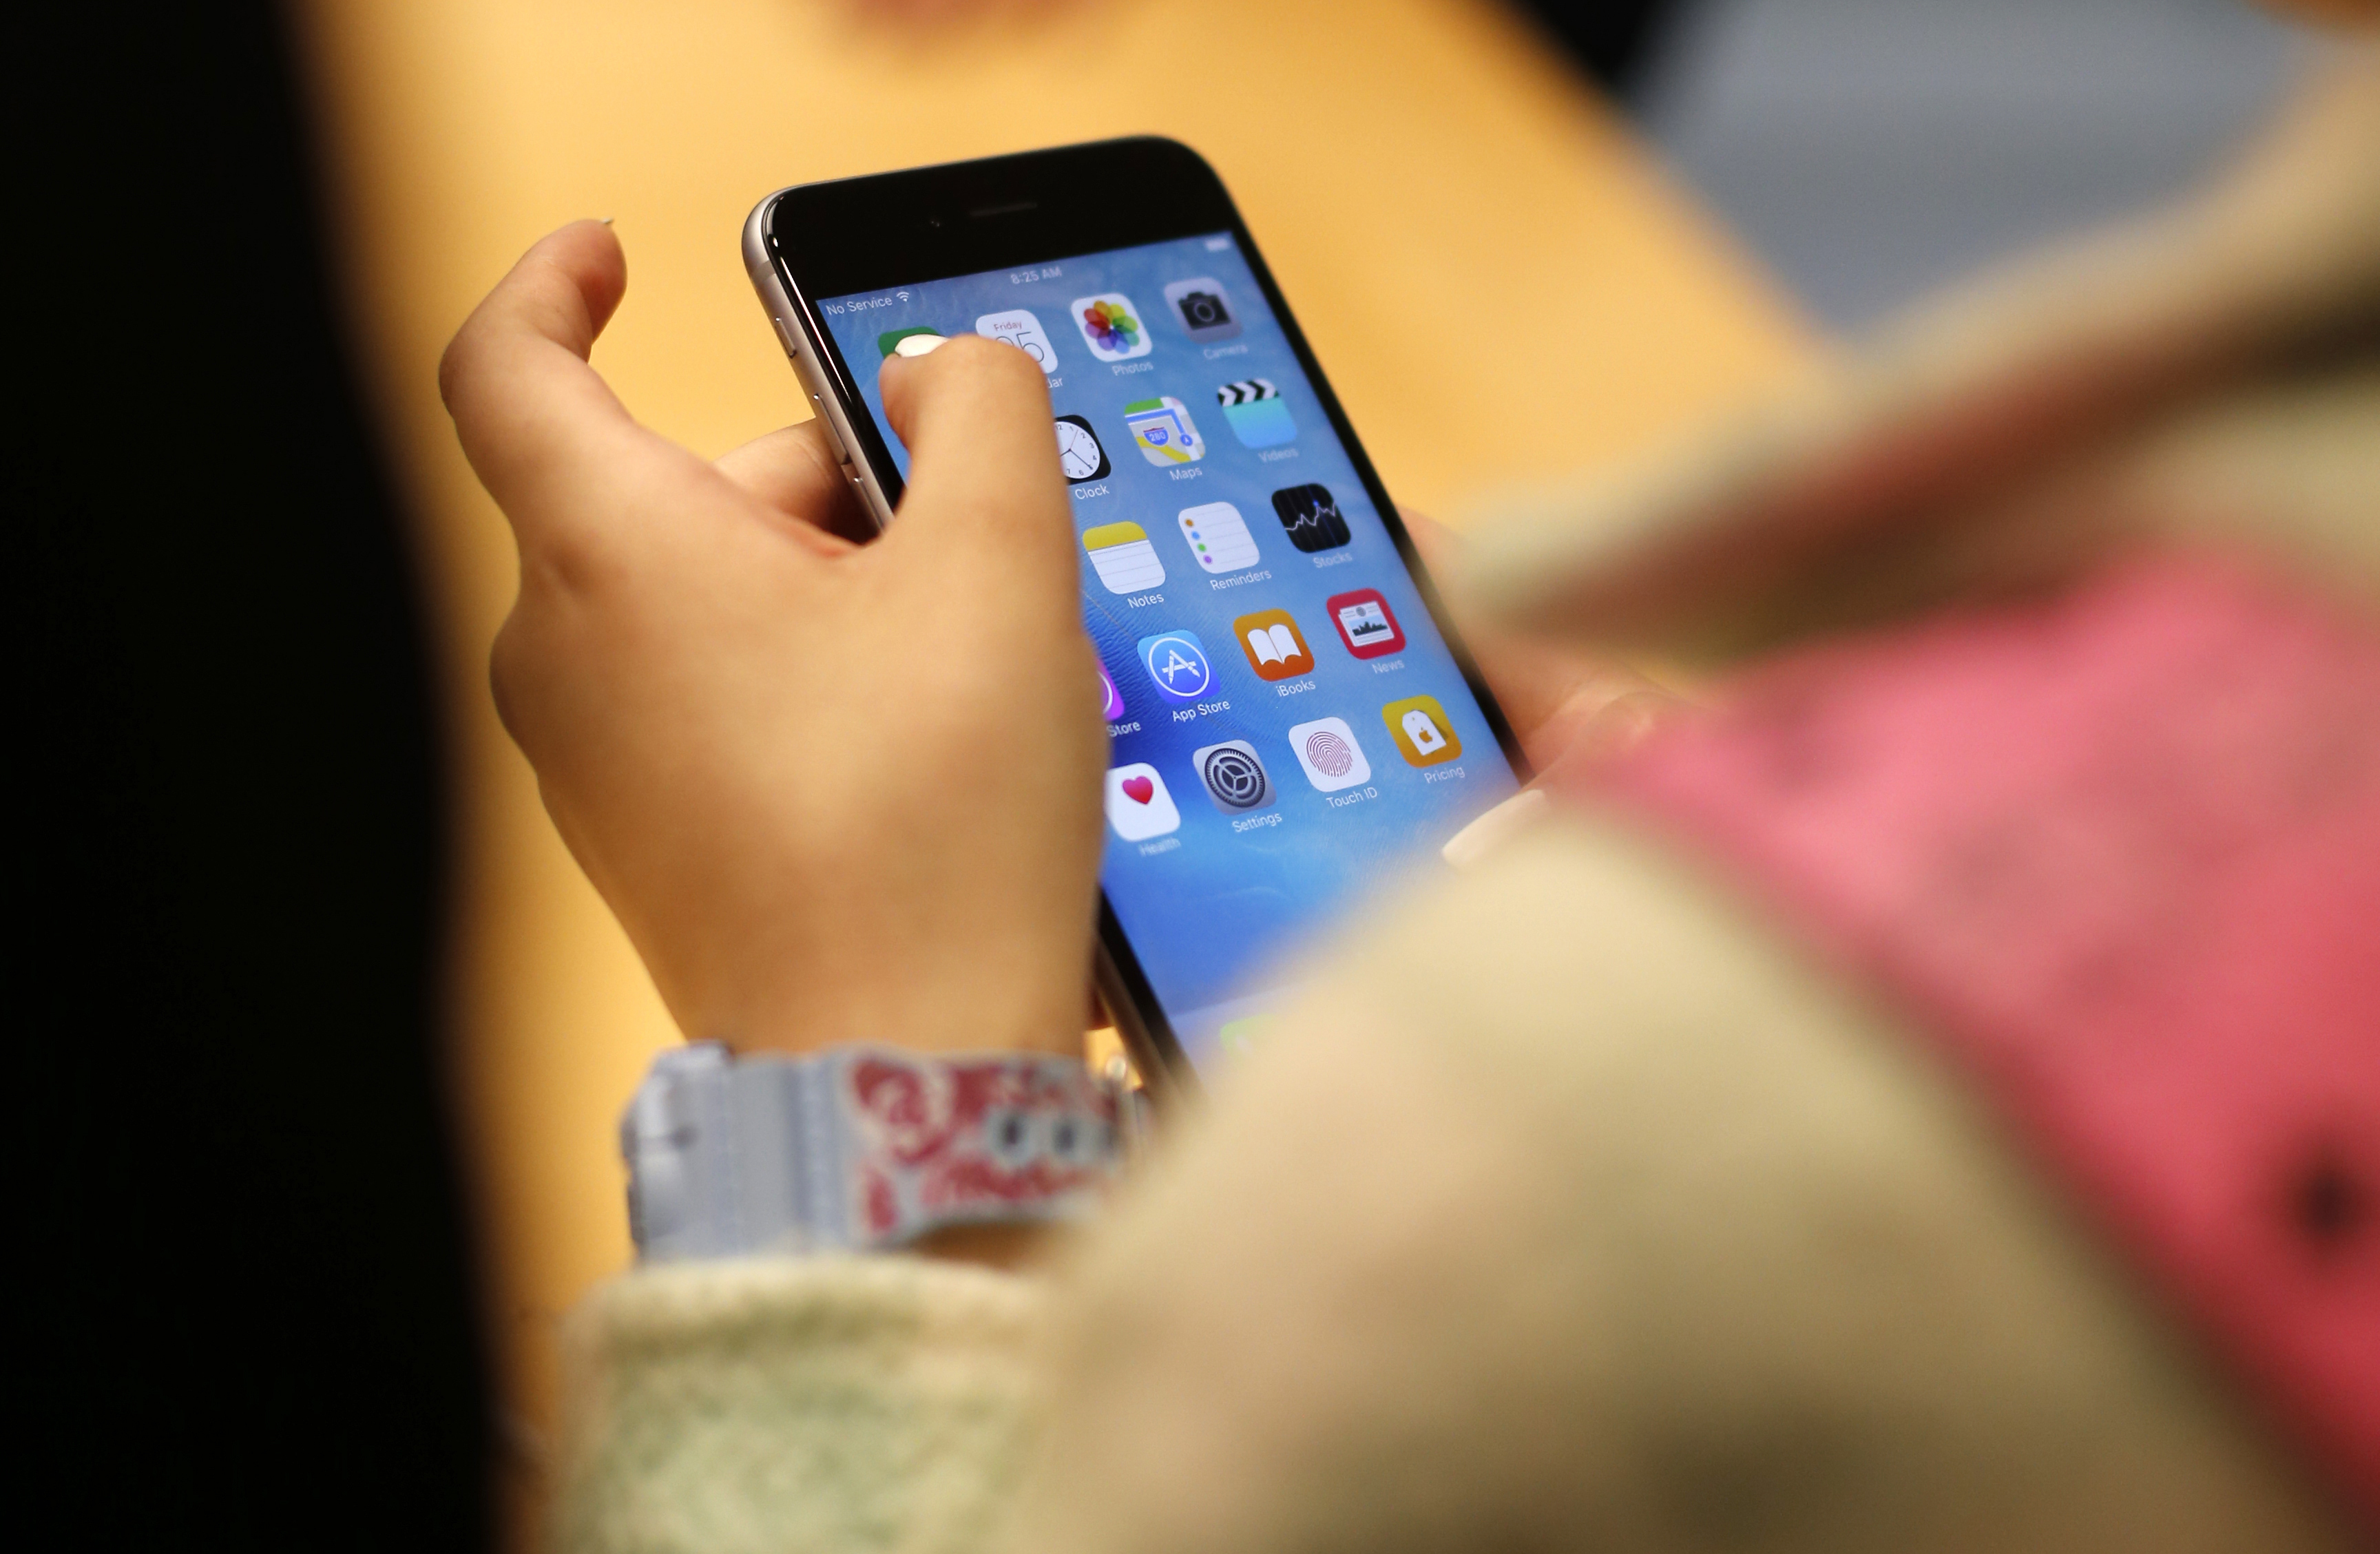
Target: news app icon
{"x": 1204, "y": 308}
{"x": 1139, "y": 806}
{"x": 1019, "y": 328}
{"x": 1111, "y": 699}
{"x": 1219, "y": 536}
{"x": 1111, "y": 326}
{"x": 1235, "y": 779}
{"x": 1275, "y": 648}
{"x": 1163, "y": 428}
{"x": 1365, "y": 623}
{"x": 1327, "y": 749}
{"x": 1177, "y": 665}
{"x": 1123, "y": 558}
{"x": 1422, "y": 733}
{"x": 1311, "y": 516}
{"x": 1079, "y": 454}
{"x": 1257, "y": 414}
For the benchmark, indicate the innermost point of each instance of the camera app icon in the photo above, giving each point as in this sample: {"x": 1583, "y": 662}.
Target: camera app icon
{"x": 1203, "y": 310}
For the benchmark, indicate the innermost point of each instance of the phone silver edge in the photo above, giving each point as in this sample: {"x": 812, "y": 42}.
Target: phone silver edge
{"x": 1165, "y": 1085}
{"x": 802, "y": 352}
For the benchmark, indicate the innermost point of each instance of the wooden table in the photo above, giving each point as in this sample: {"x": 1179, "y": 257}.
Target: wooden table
{"x": 1499, "y": 280}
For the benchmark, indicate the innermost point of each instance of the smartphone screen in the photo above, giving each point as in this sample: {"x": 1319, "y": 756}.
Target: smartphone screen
{"x": 1290, "y": 729}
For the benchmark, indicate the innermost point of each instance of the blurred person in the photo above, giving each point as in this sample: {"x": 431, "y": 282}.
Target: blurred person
{"x": 1924, "y": 1095}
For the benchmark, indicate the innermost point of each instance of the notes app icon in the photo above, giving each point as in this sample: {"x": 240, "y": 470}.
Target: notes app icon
{"x": 1123, "y": 558}
{"x": 1275, "y": 648}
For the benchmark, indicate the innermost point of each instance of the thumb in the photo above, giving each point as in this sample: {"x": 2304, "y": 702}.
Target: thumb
{"x": 983, "y": 461}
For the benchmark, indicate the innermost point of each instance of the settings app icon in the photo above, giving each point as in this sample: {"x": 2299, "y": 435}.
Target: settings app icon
{"x": 1234, "y": 778}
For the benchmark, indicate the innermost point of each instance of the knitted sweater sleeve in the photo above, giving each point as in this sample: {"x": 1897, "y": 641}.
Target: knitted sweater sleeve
{"x": 826, "y": 1404}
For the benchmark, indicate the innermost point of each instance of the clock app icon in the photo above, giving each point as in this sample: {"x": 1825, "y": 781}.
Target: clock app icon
{"x": 1079, "y": 454}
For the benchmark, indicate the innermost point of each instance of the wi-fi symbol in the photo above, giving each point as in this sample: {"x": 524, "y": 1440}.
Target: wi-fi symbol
{"x": 901, "y": 295}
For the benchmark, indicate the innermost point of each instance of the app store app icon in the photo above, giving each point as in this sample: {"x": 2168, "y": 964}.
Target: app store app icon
{"x": 1177, "y": 665}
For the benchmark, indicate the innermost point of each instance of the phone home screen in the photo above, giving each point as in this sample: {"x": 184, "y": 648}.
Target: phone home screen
{"x": 1289, "y": 730}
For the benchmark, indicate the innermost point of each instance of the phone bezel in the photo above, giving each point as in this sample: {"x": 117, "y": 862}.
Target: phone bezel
{"x": 923, "y": 224}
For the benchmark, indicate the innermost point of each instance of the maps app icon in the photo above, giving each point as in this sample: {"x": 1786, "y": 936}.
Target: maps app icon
{"x": 1164, "y": 432}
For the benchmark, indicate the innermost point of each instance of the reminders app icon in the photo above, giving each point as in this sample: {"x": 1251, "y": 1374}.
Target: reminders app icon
{"x": 1123, "y": 558}
{"x": 1219, "y": 536}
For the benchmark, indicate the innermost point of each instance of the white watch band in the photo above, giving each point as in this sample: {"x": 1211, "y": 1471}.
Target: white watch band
{"x": 857, "y": 1148}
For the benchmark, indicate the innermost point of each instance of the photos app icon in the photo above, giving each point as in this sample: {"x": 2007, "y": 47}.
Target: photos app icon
{"x": 1111, "y": 326}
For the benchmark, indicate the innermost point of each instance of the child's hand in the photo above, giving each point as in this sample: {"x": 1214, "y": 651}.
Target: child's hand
{"x": 835, "y": 792}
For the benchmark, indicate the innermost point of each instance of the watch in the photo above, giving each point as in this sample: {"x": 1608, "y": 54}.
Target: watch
{"x": 857, "y": 1148}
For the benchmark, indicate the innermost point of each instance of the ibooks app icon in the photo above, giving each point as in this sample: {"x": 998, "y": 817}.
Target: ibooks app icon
{"x": 1276, "y": 650}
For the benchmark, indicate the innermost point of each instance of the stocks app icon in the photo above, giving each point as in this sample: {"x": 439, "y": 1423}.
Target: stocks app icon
{"x": 1311, "y": 517}
{"x": 1235, "y": 779}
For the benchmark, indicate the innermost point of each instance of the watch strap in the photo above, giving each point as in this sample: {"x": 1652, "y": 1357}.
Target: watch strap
{"x": 857, "y": 1148}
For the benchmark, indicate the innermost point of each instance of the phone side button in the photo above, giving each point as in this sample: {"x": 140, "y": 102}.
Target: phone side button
{"x": 826, "y": 424}
{"x": 786, "y": 336}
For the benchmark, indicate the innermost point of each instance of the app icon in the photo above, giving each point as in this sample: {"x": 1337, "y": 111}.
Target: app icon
{"x": 1236, "y": 780}
{"x": 1111, "y": 326}
{"x": 1219, "y": 536}
{"x": 1275, "y": 649}
{"x": 1203, "y": 308}
{"x": 1423, "y": 736}
{"x": 1123, "y": 558}
{"x": 1259, "y": 414}
{"x": 1177, "y": 665}
{"x": 1163, "y": 428}
{"x": 1365, "y": 623}
{"x": 890, "y": 342}
{"x": 1327, "y": 749}
{"x": 1311, "y": 517}
{"x": 1111, "y": 699}
{"x": 1022, "y": 331}
{"x": 1139, "y": 806}
{"x": 1079, "y": 454}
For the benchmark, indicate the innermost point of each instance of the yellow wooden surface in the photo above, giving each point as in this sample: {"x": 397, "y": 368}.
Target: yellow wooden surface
{"x": 1498, "y": 280}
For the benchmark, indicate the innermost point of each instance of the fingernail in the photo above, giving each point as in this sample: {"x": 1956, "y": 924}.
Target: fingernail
{"x": 607, "y": 221}
{"x": 918, "y": 345}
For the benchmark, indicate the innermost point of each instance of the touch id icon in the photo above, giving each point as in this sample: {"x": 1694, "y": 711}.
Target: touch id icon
{"x": 1327, "y": 749}
{"x": 1177, "y": 665}
{"x": 1139, "y": 806}
{"x": 1275, "y": 648}
{"x": 1422, "y": 733}
{"x": 1234, "y": 778}
{"x": 1019, "y": 328}
{"x": 1123, "y": 558}
{"x": 1219, "y": 536}
{"x": 1111, "y": 326}
{"x": 1365, "y": 623}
